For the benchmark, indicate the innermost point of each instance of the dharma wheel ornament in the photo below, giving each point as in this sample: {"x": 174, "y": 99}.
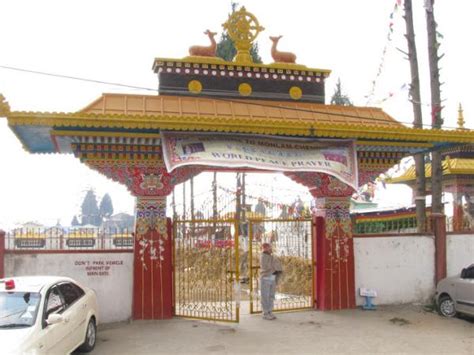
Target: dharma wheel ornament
{"x": 243, "y": 28}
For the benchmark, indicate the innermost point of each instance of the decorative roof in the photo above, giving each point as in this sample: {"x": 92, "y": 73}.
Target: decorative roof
{"x": 139, "y": 114}
{"x": 205, "y": 74}
{"x": 460, "y": 118}
{"x": 214, "y": 77}
{"x": 455, "y": 166}
{"x": 234, "y": 110}
{"x": 4, "y": 106}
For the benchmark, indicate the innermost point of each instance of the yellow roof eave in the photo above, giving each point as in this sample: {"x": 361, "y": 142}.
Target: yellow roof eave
{"x": 456, "y": 166}
{"x": 243, "y": 125}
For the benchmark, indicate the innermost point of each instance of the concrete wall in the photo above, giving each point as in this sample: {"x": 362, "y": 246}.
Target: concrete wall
{"x": 109, "y": 274}
{"x": 400, "y": 269}
{"x": 459, "y": 252}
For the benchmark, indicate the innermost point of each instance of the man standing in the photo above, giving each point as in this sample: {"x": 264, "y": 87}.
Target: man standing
{"x": 270, "y": 267}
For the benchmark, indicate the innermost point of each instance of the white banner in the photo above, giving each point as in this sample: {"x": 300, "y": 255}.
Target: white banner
{"x": 334, "y": 157}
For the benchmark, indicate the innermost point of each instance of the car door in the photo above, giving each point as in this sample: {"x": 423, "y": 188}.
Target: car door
{"x": 73, "y": 296}
{"x": 55, "y": 335}
{"x": 465, "y": 291}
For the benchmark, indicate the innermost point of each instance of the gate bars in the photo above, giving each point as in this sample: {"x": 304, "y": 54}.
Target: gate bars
{"x": 206, "y": 270}
{"x": 291, "y": 241}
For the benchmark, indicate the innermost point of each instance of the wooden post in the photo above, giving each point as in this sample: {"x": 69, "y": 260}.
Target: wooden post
{"x": 2, "y": 254}
{"x": 439, "y": 229}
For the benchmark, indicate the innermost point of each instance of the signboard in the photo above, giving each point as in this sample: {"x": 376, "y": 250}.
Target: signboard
{"x": 80, "y": 242}
{"x": 333, "y": 157}
{"x": 30, "y": 243}
{"x": 123, "y": 242}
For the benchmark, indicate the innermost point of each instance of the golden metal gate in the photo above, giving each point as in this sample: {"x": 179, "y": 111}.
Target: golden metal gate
{"x": 206, "y": 271}
{"x": 292, "y": 243}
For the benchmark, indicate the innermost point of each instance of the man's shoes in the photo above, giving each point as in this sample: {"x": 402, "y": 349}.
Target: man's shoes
{"x": 269, "y": 316}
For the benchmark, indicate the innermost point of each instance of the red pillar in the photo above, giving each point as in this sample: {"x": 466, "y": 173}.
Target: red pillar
{"x": 458, "y": 213}
{"x": 439, "y": 229}
{"x": 2, "y": 254}
{"x": 152, "y": 271}
{"x": 335, "y": 282}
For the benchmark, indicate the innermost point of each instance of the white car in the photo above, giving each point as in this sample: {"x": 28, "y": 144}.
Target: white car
{"x": 46, "y": 315}
{"x": 455, "y": 294}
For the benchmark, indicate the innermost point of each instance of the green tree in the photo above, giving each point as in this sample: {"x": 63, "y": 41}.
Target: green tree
{"x": 226, "y": 49}
{"x": 90, "y": 210}
{"x": 338, "y": 98}
{"x": 75, "y": 222}
{"x": 106, "y": 209}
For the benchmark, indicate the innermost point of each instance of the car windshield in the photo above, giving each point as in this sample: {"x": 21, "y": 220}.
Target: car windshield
{"x": 18, "y": 309}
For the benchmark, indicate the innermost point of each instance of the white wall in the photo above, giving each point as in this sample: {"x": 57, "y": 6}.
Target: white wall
{"x": 400, "y": 269}
{"x": 459, "y": 252}
{"x": 109, "y": 274}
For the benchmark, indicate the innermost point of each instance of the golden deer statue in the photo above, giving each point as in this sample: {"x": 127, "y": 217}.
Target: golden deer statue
{"x": 281, "y": 57}
{"x": 205, "y": 51}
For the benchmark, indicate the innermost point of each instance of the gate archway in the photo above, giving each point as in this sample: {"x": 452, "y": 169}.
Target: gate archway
{"x": 121, "y": 136}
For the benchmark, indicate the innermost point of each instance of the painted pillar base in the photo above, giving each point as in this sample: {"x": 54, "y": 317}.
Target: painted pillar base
{"x": 335, "y": 284}
{"x": 152, "y": 269}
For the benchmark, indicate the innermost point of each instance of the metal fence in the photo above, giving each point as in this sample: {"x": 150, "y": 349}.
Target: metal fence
{"x": 386, "y": 225}
{"x": 402, "y": 225}
{"x": 72, "y": 239}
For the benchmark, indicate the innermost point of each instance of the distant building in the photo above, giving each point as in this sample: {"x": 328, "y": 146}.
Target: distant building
{"x": 119, "y": 221}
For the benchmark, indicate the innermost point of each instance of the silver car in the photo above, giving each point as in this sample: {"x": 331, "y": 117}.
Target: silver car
{"x": 455, "y": 294}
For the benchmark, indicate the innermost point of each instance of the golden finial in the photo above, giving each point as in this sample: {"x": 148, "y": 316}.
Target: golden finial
{"x": 4, "y": 106}
{"x": 460, "y": 118}
{"x": 243, "y": 28}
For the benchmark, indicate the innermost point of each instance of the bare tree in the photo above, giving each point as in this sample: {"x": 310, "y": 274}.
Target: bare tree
{"x": 437, "y": 121}
{"x": 420, "y": 189}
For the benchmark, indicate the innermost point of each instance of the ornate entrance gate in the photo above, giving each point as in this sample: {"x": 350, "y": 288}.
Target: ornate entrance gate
{"x": 206, "y": 270}
{"x": 292, "y": 242}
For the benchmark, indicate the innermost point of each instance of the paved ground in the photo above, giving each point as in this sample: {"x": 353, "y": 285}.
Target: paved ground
{"x": 388, "y": 330}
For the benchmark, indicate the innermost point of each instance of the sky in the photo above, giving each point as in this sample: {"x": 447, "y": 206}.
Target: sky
{"x": 117, "y": 40}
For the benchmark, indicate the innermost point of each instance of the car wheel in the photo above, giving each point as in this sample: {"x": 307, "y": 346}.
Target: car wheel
{"x": 90, "y": 338}
{"x": 446, "y": 307}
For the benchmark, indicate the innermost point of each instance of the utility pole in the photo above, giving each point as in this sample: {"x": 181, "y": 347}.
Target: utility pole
{"x": 214, "y": 196}
{"x": 184, "y": 209}
{"x": 173, "y": 203}
{"x": 192, "y": 198}
{"x": 244, "y": 210}
{"x": 437, "y": 121}
{"x": 184, "y": 200}
{"x": 193, "y": 224}
{"x": 238, "y": 200}
{"x": 244, "y": 200}
{"x": 420, "y": 189}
